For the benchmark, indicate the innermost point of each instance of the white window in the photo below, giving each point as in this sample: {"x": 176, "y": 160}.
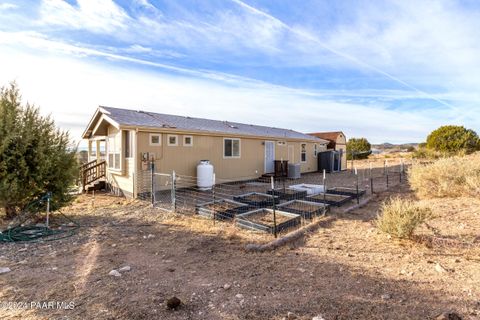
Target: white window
{"x": 303, "y": 153}
{"x": 114, "y": 150}
{"x": 172, "y": 140}
{"x": 128, "y": 143}
{"x": 155, "y": 139}
{"x": 231, "y": 148}
{"x": 187, "y": 141}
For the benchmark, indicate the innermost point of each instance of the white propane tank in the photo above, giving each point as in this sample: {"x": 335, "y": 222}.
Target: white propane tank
{"x": 204, "y": 175}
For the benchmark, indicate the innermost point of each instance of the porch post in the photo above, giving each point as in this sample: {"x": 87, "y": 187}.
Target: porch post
{"x": 97, "y": 150}
{"x": 89, "y": 150}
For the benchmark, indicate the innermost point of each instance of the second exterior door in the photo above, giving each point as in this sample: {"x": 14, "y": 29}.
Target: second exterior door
{"x": 269, "y": 156}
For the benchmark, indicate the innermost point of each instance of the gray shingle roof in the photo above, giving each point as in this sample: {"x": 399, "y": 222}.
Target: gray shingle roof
{"x": 128, "y": 117}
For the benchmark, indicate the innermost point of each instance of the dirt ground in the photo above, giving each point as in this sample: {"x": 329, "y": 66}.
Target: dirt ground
{"x": 344, "y": 270}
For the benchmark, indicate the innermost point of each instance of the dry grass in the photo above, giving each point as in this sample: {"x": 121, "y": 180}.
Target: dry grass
{"x": 447, "y": 177}
{"x": 400, "y": 217}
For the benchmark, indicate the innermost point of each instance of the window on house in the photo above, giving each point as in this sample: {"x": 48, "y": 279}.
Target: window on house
{"x": 315, "y": 150}
{"x": 187, "y": 141}
{"x": 231, "y": 148}
{"x": 303, "y": 153}
{"x": 114, "y": 151}
{"x": 172, "y": 140}
{"x": 155, "y": 139}
{"x": 128, "y": 143}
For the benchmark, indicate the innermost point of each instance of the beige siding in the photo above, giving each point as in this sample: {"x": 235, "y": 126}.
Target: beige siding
{"x": 135, "y": 178}
{"x": 184, "y": 159}
{"x": 341, "y": 144}
{"x": 121, "y": 181}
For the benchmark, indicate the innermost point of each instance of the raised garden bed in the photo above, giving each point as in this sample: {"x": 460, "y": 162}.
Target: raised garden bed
{"x": 347, "y": 191}
{"x": 336, "y": 200}
{"x": 262, "y": 220}
{"x": 257, "y": 199}
{"x": 222, "y": 209}
{"x": 288, "y": 194}
{"x": 306, "y": 209}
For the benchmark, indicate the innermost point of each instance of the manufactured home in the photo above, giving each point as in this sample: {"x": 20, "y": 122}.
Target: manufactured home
{"x": 122, "y": 145}
{"x": 335, "y": 157}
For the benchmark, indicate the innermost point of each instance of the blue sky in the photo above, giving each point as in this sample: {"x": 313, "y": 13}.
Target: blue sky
{"x": 389, "y": 71}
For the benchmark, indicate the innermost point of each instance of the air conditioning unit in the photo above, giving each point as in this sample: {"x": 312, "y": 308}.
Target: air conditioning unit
{"x": 294, "y": 170}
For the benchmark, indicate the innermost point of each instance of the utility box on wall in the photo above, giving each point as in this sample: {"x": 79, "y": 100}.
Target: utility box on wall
{"x": 147, "y": 158}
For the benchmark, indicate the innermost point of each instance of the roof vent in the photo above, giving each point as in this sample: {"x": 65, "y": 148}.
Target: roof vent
{"x": 230, "y": 125}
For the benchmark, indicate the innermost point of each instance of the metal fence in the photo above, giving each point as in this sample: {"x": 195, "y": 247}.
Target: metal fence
{"x": 266, "y": 204}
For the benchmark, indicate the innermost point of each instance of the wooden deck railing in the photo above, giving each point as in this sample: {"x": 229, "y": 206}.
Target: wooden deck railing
{"x": 92, "y": 171}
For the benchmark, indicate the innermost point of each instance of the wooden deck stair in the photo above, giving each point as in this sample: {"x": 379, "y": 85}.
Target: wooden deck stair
{"x": 93, "y": 174}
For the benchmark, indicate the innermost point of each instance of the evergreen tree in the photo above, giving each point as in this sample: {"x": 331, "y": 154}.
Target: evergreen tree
{"x": 358, "y": 148}
{"x": 35, "y": 157}
{"x": 453, "y": 139}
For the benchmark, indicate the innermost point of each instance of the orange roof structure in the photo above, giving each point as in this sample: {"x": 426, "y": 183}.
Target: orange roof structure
{"x": 330, "y": 136}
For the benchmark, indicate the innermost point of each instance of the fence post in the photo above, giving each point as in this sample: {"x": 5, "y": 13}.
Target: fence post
{"x": 402, "y": 169}
{"x": 213, "y": 196}
{"x": 152, "y": 193}
{"x": 274, "y": 214}
{"x": 356, "y": 175}
{"x": 174, "y": 203}
{"x": 353, "y": 160}
{"x": 49, "y": 195}
{"x": 324, "y": 192}
{"x": 371, "y": 178}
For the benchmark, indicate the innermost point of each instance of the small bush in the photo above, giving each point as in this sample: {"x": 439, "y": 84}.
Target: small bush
{"x": 447, "y": 177}
{"x": 400, "y": 217}
{"x": 424, "y": 153}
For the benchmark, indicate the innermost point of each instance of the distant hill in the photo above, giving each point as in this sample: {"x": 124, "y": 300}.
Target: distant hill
{"x": 393, "y": 147}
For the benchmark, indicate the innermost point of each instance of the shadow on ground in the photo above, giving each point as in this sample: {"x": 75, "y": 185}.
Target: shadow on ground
{"x": 168, "y": 260}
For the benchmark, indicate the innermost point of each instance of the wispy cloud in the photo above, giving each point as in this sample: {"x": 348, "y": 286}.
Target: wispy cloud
{"x": 97, "y": 16}
{"x": 53, "y": 80}
{"x": 7, "y": 6}
{"x": 396, "y": 67}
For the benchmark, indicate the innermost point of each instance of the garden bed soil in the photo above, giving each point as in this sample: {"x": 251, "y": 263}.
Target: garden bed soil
{"x": 346, "y": 191}
{"x": 306, "y": 209}
{"x": 222, "y": 209}
{"x": 263, "y": 220}
{"x": 331, "y": 199}
{"x": 257, "y": 199}
{"x": 288, "y": 194}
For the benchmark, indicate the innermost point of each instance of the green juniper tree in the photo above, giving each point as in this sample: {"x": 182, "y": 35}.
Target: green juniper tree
{"x": 35, "y": 157}
{"x": 453, "y": 139}
{"x": 358, "y": 148}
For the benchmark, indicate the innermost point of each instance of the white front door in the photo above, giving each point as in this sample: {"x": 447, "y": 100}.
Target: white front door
{"x": 291, "y": 154}
{"x": 269, "y": 156}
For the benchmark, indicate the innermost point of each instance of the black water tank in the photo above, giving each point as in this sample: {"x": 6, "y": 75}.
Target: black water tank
{"x": 325, "y": 161}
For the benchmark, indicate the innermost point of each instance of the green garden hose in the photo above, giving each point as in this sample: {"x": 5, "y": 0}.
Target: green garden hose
{"x": 22, "y": 233}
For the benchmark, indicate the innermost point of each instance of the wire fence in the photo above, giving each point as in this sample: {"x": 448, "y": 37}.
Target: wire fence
{"x": 268, "y": 204}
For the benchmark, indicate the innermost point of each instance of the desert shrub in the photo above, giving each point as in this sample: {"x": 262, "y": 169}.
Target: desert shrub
{"x": 425, "y": 153}
{"x": 453, "y": 139}
{"x": 358, "y": 148}
{"x": 35, "y": 157}
{"x": 447, "y": 177}
{"x": 400, "y": 217}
